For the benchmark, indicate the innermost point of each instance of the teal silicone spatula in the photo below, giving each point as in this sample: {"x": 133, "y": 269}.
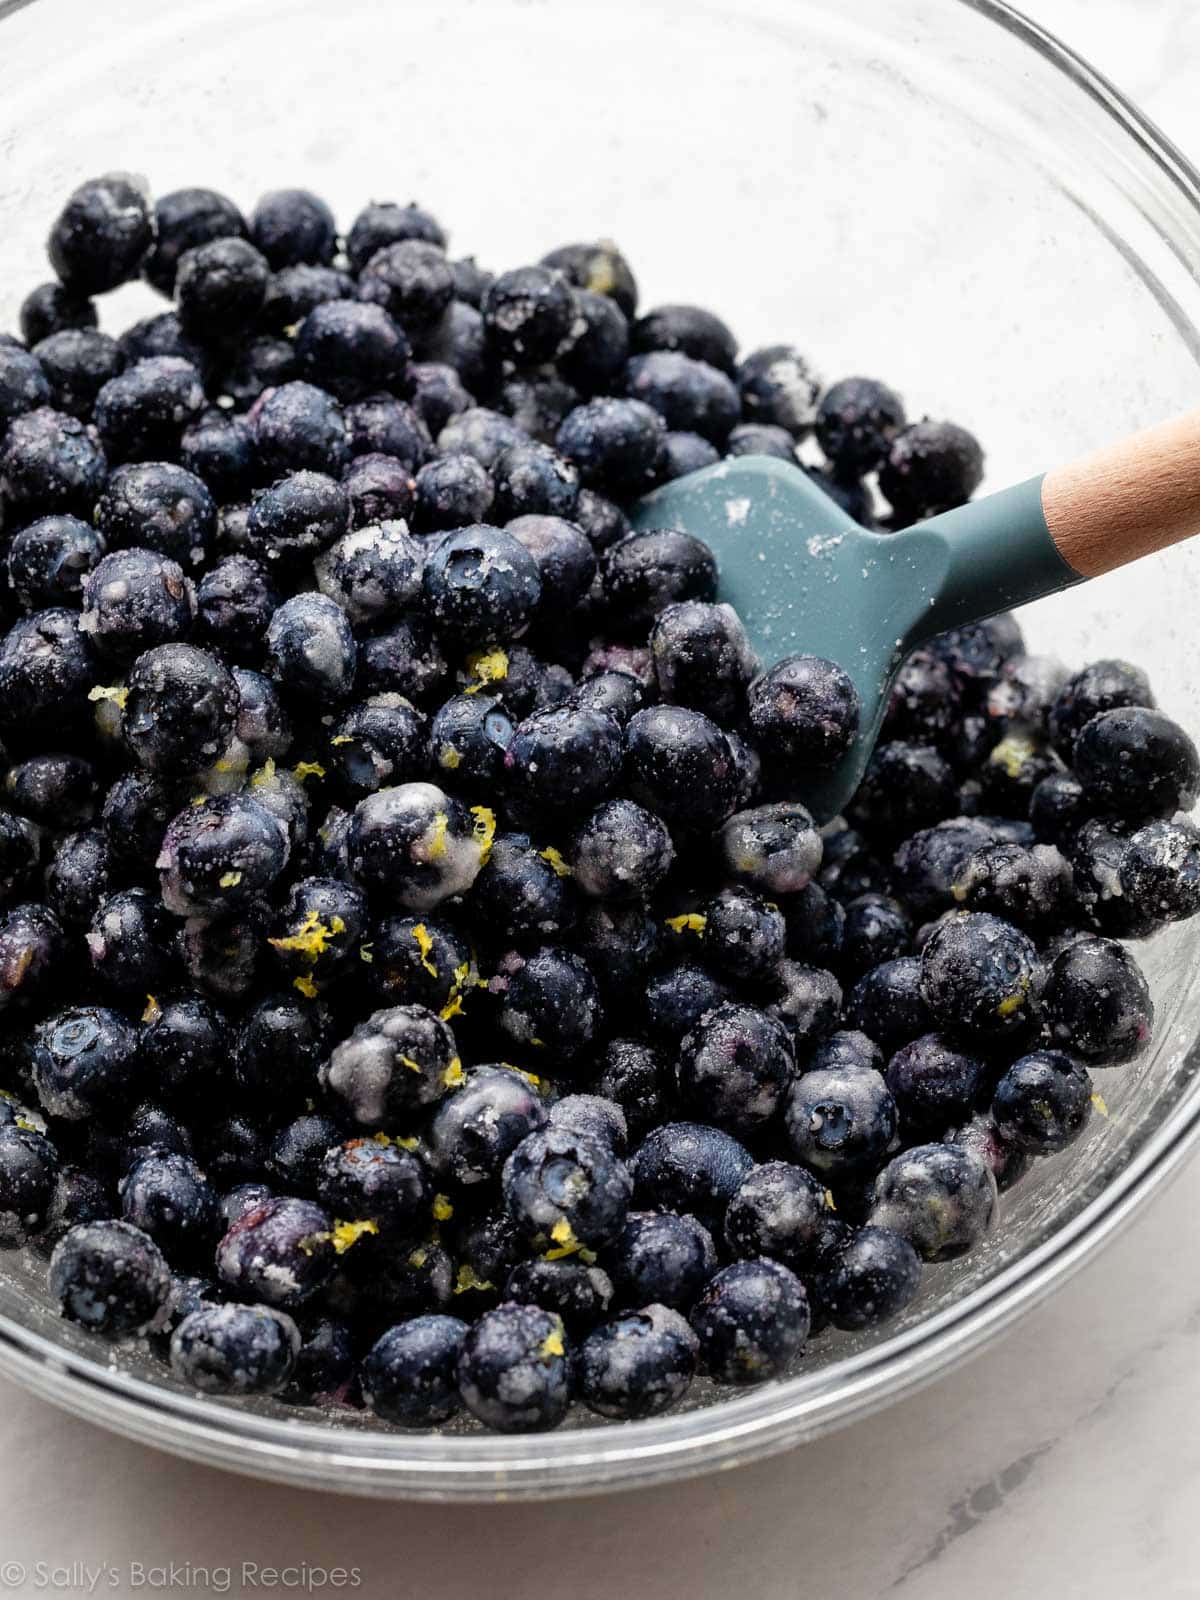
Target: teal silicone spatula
{"x": 805, "y": 578}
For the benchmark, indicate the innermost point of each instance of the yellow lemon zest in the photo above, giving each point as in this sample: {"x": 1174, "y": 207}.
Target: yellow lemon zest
{"x": 1013, "y": 1002}
{"x": 830, "y": 1204}
{"x": 230, "y": 880}
{"x": 1012, "y": 754}
{"x": 105, "y": 692}
{"x": 365, "y": 953}
{"x": 407, "y": 1061}
{"x": 341, "y": 738}
{"x": 552, "y": 1345}
{"x": 425, "y": 945}
{"x": 346, "y": 1234}
{"x": 692, "y": 921}
{"x": 449, "y": 758}
{"x": 153, "y": 1010}
{"x": 264, "y": 775}
{"x": 1101, "y": 1107}
{"x": 486, "y": 666}
{"x": 307, "y": 769}
{"x": 530, "y": 1077}
{"x": 311, "y": 937}
{"x": 452, "y": 1008}
{"x": 442, "y": 1209}
{"x": 409, "y": 1143}
{"x": 306, "y": 987}
{"x": 467, "y": 1278}
{"x": 454, "y": 1002}
{"x": 555, "y": 859}
{"x": 484, "y": 831}
{"x": 200, "y": 800}
{"x": 418, "y": 1257}
{"x": 454, "y": 1074}
{"x": 436, "y": 832}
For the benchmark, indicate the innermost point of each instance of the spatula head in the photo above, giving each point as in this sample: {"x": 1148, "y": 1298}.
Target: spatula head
{"x": 805, "y": 578}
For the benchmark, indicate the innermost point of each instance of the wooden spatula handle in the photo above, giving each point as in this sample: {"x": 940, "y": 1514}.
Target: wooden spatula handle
{"x": 1127, "y": 499}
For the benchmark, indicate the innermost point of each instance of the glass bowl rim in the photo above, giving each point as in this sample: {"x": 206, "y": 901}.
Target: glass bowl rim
{"x": 734, "y": 1430}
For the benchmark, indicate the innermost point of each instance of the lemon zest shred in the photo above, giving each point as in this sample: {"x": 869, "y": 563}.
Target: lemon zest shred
{"x": 467, "y": 1279}
{"x": 830, "y": 1203}
{"x": 486, "y": 666}
{"x": 450, "y": 758}
{"x": 118, "y": 696}
{"x": 484, "y": 831}
{"x": 341, "y": 738}
{"x": 153, "y": 1010}
{"x": 690, "y": 921}
{"x": 453, "y": 1008}
{"x": 230, "y": 880}
{"x": 1100, "y": 1105}
{"x": 418, "y": 1257}
{"x": 410, "y": 1142}
{"x": 264, "y": 775}
{"x": 407, "y": 1061}
{"x": 552, "y": 1345}
{"x": 307, "y": 769}
{"x": 306, "y": 986}
{"x": 442, "y": 1208}
{"x": 425, "y": 945}
{"x": 365, "y": 953}
{"x": 436, "y": 848}
{"x": 454, "y": 1074}
{"x": 554, "y": 857}
{"x": 346, "y": 1234}
{"x": 312, "y": 936}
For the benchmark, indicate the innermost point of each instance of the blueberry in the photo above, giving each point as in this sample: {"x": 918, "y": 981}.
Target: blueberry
{"x": 55, "y": 790}
{"x": 684, "y": 453}
{"x": 689, "y": 1168}
{"x": 326, "y": 1367}
{"x": 877, "y": 928}
{"x": 160, "y": 336}
{"x": 925, "y": 700}
{"x": 78, "y": 362}
{"x": 220, "y": 288}
{"x": 396, "y": 1061}
{"x": 887, "y": 1002}
{"x": 84, "y": 1060}
{"x": 779, "y": 1211}
{"x": 1100, "y": 686}
{"x": 1043, "y": 1102}
{"x": 702, "y": 658}
{"x": 411, "y": 280}
{"x": 572, "y": 1290}
{"x": 133, "y": 601}
{"x": 933, "y": 1084}
{"x": 110, "y": 1278}
{"x": 734, "y": 1066}
{"x": 761, "y": 439}
{"x": 297, "y": 516}
{"x": 379, "y": 489}
{"x": 930, "y": 467}
{"x": 184, "y": 1047}
{"x": 220, "y": 450}
{"x": 318, "y": 931}
{"x": 135, "y": 813}
{"x": 927, "y": 865}
{"x": 232, "y": 1349}
{"x": 614, "y": 444}
{"x": 409, "y": 1375}
{"x": 477, "y": 1128}
{"x": 24, "y": 386}
{"x": 598, "y": 268}
{"x": 233, "y": 1150}
{"x": 418, "y": 844}
{"x": 532, "y": 479}
{"x": 564, "y": 557}
{"x": 280, "y": 1044}
{"x": 1013, "y": 770}
{"x": 904, "y": 788}
{"x": 129, "y": 942}
{"x": 458, "y": 340}
{"x": 690, "y": 395}
{"x": 1159, "y": 870}
{"x": 77, "y": 1196}
{"x": 437, "y": 394}
{"x": 597, "y": 345}
{"x": 1005, "y": 1161}
{"x": 365, "y": 1181}
{"x": 451, "y": 492}
{"x": 235, "y": 601}
{"x": 299, "y": 427}
{"x": 841, "y": 1120}
{"x": 602, "y": 521}
{"x": 141, "y": 414}
{"x": 293, "y": 225}
{"x": 219, "y": 855}
{"x": 160, "y": 507}
{"x": 352, "y": 349}
{"x": 1030, "y": 887}
{"x": 280, "y": 1254}
{"x": 1097, "y": 1003}
{"x": 678, "y": 996}
{"x": 527, "y": 314}
{"x": 550, "y": 1001}
{"x": 222, "y": 953}
{"x": 941, "y": 1198}
{"x": 857, "y": 423}
{"x": 50, "y": 464}
{"x": 514, "y": 1371}
{"x": 311, "y": 649}
{"x": 384, "y": 222}
{"x": 778, "y": 387}
{"x": 618, "y": 693}
{"x": 99, "y": 238}
{"x": 183, "y": 220}
{"x": 1058, "y": 808}
{"x": 689, "y": 329}
{"x": 639, "y": 1364}
{"x": 32, "y": 950}
{"x": 680, "y": 766}
{"x": 563, "y": 759}
{"x": 521, "y": 894}
{"x": 646, "y": 572}
{"x": 1136, "y": 762}
{"x": 78, "y": 876}
{"x": 256, "y": 367}
{"x": 751, "y": 1321}
{"x": 634, "y": 1077}
{"x": 977, "y": 976}
{"x": 383, "y": 425}
{"x": 296, "y": 1153}
{"x": 28, "y": 1174}
{"x": 774, "y": 848}
{"x": 804, "y": 709}
{"x": 166, "y": 1195}
{"x": 51, "y": 309}
{"x": 481, "y": 584}
{"x": 869, "y": 1280}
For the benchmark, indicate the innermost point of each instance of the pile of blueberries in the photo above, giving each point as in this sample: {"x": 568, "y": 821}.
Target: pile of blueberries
{"x": 419, "y": 988}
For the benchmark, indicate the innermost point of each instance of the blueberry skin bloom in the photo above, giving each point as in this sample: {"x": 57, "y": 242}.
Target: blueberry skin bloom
{"x": 933, "y": 1084}
{"x": 638, "y": 1364}
{"x": 1097, "y": 1003}
{"x": 941, "y": 1197}
{"x": 751, "y": 1321}
{"x": 514, "y": 1372}
{"x": 101, "y": 235}
{"x": 393, "y": 1063}
{"x": 1137, "y": 763}
{"x": 83, "y": 1060}
{"x": 570, "y": 1188}
{"x": 1043, "y": 1102}
{"x": 869, "y": 1280}
{"x": 180, "y": 710}
{"x": 778, "y": 1211}
{"x": 481, "y": 585}
{"x": 977, "y": 975}
{"x": 621, "y": 852}
{"x": 775, "y": 848}
{"x": 734, "y": 1066}
{"x": 167, "y": 1196}
{"x": 310, "y": 647}
{"x": 280, "y": 1253}
{"x": 28, "y": 1173}
{"x": 841, "y": 1120}
{"x": 110, "y": 1278}
{"x": 681, "y": 766}
{"x": 563, "y": 758}
{"x": 804, "y": 709}
{"x": 1160, "y": 870}
{"x": 661, "y": 1258}
{"x": 410, "y": 1374}
{"x": 230, "y": 1349}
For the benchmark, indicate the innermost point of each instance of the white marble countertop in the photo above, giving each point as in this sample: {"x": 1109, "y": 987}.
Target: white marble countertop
{"x": 1060, "y": 1463}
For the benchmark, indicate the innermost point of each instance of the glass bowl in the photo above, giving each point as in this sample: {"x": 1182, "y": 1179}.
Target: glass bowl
{"x": 934, "y": 191}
